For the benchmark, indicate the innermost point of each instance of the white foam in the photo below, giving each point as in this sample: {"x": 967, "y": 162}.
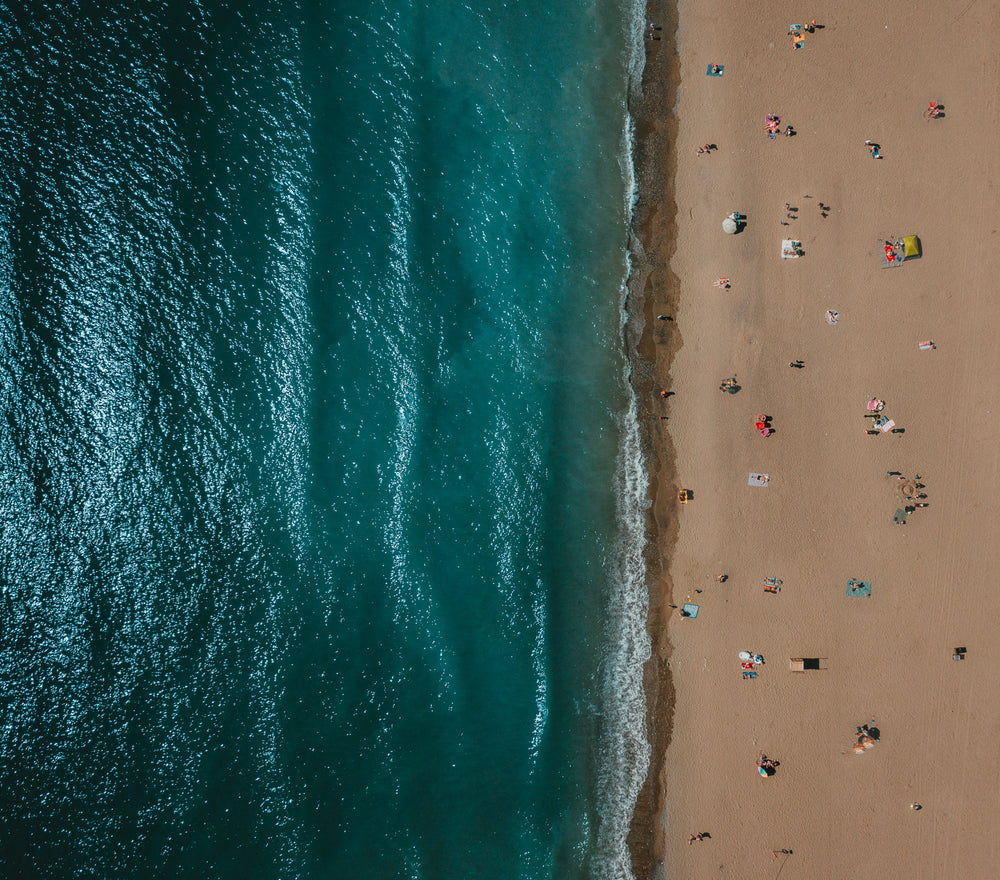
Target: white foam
{"x": 624, "y": 748}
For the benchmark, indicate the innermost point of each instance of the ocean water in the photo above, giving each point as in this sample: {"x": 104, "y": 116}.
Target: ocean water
{"x": 321, "y": 488}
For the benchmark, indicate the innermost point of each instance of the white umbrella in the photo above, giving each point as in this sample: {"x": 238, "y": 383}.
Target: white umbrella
{"x": 729, "y": 225}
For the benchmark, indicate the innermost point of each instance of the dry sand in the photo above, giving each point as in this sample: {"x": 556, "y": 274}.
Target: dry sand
{"x": 827, "y": 514}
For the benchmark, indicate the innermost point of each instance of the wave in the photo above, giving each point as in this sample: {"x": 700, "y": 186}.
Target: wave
{"x": 625, "y": 749}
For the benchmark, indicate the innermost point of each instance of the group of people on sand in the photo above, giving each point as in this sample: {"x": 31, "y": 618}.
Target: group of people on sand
{"x": 773, "y": 126}
{"x": 767, "y": 766}
{"x": 796, "y": 33}
{"x": 866, "y": 737}
{"x": 916, "y": 497}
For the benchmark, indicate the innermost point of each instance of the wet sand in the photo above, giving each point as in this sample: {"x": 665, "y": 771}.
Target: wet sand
{"x": 827, "y": 514}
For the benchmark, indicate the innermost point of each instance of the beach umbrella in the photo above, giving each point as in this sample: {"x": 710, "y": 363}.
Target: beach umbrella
{"x": 729, "y": 225}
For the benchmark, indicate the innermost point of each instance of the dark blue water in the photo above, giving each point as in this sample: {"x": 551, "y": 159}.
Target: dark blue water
{"x": 321, "y": 494}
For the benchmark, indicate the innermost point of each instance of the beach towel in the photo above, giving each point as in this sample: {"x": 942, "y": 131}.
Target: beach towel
{"x": 856, "y": 589}
{"x": 758, "y": 479}
{"x": 709, "y": 72}
{"x": 690, "y": 610}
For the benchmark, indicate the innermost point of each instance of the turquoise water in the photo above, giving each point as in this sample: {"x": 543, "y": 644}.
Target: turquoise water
{"x": 322, "y": 500}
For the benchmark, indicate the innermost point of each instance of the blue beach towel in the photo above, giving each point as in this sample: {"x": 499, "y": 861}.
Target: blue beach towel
{"x": 859, "y": 588}
{"x": 708, "y": 71}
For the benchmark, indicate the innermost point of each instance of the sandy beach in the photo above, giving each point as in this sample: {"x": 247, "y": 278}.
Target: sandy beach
{"x": 826, "y": 515}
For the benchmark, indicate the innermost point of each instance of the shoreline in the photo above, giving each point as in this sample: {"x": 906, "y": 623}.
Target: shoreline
{"x": 654, "y": 289}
